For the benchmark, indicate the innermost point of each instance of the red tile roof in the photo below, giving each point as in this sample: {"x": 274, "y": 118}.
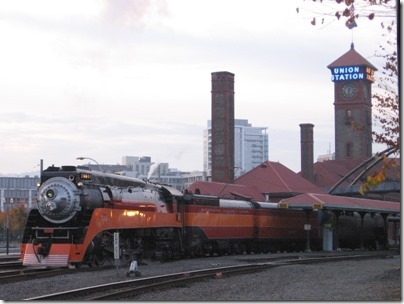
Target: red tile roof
{"x": 276, "y": 179}
{"x": 333, "y": 202}
{"x": 330, "y": 172}
{"x": 351, "y": 58}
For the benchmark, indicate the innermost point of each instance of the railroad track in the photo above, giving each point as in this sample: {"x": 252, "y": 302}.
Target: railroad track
{"x": 10, "y": 264}
{"x": 12, "y": 270}
{"x": 18, "y": 273}
{"x": 133, "y": 287}
{"x": 23, "y": 274}
{"x": 9, "y": 257}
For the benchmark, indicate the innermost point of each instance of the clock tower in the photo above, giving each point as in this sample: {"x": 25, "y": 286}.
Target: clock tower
{"x": 353, "y": 76}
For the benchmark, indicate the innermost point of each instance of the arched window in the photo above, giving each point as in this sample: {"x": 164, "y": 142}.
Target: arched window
{"x": 349, "y": 149}
{"x": 348, "y": 116}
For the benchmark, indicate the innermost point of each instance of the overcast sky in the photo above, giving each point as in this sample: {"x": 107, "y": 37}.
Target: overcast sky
{"x": 106, "y": 79}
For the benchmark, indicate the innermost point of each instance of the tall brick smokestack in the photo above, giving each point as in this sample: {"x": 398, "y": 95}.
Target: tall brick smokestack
{"x": 306, "y": 150}
{"x": 222, "y": 127}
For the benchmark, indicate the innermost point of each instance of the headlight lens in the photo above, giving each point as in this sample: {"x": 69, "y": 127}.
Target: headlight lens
{"x": 50, "y": 194}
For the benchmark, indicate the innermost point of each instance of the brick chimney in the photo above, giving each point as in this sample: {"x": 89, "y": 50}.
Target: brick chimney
{"x": 306, "y": 150}
{"x": 222, "y": 127}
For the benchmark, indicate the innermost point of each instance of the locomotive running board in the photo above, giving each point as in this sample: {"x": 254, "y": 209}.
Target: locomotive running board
{"x": 58, "y": 256}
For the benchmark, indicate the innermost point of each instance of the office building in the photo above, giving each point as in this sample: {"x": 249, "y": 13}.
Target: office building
{"x": 250, "y": 147}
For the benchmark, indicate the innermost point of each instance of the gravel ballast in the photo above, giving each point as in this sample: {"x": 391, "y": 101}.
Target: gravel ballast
{"x": 376, "y": 279}
{"x": 368, "y": 280}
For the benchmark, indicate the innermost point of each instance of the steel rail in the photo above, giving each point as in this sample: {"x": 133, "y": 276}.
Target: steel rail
{"x": 131, "y": 288}
{"x": 10, "y": 264}
{"x": 28, "y": 273}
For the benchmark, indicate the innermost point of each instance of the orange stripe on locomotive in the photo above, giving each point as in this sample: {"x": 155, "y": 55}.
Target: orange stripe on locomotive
{"x": 113, "y": 219}
{"x": 236, "y": 223}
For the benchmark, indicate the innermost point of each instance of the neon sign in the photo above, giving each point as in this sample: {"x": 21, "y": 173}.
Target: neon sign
{"x": 352, "y": 73}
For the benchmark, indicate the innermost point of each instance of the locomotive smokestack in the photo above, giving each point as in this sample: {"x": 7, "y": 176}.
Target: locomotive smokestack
{"x": 306, "y": 150}
{"x": 222, "y": 127}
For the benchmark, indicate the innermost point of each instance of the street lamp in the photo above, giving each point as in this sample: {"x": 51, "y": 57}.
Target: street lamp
{"x": 81, "y": 158}
{"x": 8, "y": 224}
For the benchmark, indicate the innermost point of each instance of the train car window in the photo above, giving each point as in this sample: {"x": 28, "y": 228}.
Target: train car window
{"x": 206, "y": 201}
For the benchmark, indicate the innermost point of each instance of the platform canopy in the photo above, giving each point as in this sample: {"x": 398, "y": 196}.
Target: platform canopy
{"x": 334, "y": 202}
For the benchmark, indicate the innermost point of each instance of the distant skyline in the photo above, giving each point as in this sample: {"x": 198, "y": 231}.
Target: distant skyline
{"x": 105, "y": 79}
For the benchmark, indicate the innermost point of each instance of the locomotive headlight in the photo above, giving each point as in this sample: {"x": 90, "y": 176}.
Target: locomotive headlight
{"x": 50, "y": 194}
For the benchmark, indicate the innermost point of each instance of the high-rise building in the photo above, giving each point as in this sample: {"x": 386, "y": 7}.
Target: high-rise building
{"x": 250, "y": 147}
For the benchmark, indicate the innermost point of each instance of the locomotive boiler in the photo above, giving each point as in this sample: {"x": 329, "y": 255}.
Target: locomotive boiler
{"x": 79, "y": 210}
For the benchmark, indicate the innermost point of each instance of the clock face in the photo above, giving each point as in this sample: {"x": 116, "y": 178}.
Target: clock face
{"x": 348, "y": 90}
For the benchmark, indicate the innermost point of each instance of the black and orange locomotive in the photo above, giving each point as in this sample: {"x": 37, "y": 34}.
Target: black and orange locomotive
{"x": 79, "y": 210}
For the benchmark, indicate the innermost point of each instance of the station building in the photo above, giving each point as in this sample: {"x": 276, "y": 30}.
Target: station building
{"x": 17, "y": 191}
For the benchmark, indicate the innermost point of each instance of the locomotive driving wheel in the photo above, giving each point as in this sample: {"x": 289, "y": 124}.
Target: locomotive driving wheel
{"x": 131, "y": 249}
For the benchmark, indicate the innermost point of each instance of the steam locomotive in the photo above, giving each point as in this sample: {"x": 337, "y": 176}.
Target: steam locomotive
{"x": 80, "y": 211}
